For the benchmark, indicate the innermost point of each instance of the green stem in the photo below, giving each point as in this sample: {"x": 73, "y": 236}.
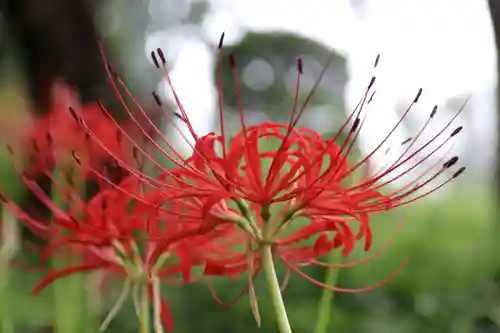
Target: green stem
{"x": 9, "y": 246}
{"x": 157, "y": 305}
{"x": 94, "y": 300}
{"x": 7, "y": 320}
{"x": 70, "y": 293}
{"x": 274, "y": 290}
{"x": 122, "y": 298}
{"x": 144, "y": 313}
{"x": 325, "y": 305}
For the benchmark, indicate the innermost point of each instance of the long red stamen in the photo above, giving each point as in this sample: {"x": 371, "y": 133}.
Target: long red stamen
{"x": 219, "y": 93}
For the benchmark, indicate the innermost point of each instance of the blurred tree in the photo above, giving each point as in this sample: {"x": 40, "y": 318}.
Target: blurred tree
{"x": 56, "y": 39}
{"x": 495, "y": 17}
{"x": 267, "y": 71}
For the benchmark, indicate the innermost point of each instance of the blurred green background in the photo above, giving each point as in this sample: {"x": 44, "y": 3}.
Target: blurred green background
{"x": 452, "y": 281}
{"x": 451, "y": 284}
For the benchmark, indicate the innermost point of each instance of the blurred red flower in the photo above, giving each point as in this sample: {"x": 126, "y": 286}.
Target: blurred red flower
{"x": 87, "y": 131}
{"x": 118, "y": 231}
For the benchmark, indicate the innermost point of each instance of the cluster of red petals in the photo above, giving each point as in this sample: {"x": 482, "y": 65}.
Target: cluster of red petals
{"x": 271, "y": 164}
{"x": 272, "y": 174}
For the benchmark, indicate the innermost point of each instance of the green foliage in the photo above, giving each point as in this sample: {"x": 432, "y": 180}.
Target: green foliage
{"x": 448, "y": 285}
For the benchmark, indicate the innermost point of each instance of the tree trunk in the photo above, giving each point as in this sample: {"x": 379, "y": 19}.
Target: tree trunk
{"x": 56, "y": 40}
{"x": 495, "y": 17}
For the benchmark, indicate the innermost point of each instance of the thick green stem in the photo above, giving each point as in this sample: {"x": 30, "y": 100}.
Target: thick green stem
{"x": 325, "y": 305}
{"x": 157, "y": 305}
{"x": 144, "y": 310}
{"x": 274, "y": 290}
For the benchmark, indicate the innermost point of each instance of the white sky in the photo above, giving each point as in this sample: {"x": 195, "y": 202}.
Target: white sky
{"x": 445, "y": 46}
{"x": 432, "y": 42}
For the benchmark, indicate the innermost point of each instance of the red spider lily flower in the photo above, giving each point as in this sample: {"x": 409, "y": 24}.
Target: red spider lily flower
{"x": 118, "y": 231}
{"x": 50, "y": 140}
{"x": 271, "y": 174}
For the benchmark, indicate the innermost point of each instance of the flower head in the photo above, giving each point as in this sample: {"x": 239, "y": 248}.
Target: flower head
{"x": 267, "y": 176}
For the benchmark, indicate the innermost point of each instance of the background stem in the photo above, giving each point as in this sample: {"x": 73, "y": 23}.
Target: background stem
{"x": 8, "y": 247}
{"x": 70, "y": 298}
{"x": 325, "y": 304}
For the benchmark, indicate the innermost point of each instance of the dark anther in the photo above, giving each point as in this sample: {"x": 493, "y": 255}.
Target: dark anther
{"x": 451, "y": 162}
{"x": 103, "y": 109}
{"x": 377, "y": 59}
{"x": 371, "y": 96}
{"x": 418, "y": 95}
{"x": 355, "y": 125}
{"x": 101, "y": 106}
{"x": 406, "y": 141}
{"x": 135, "y": 153}
{"x": 3, "y": 198}
{"x": 456, "y": 131}
{"x": 434, "y": 110}
{"x": 179, "y": 116}
{"x": 459, "y": 172}
{"x": 48, "y": 137}
{"x": 372, "y": 82}
{"x": 73, "y": 114}
{"x": 10, "y": 150}
{"x": 161, "y": 55}
{"x": 157, "y": 98}
{"x": 299, "y": 65}
{"x": 221, "y": 40}
{"x": 75, "y": 156}
{"x": 155, "y": 60}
